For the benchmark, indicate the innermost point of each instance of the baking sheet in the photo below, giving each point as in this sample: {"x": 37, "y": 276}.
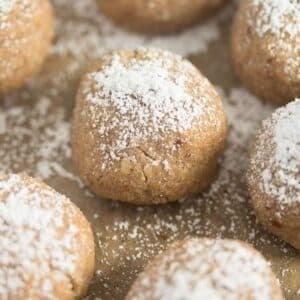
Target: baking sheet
{"x": 35, "y": 139}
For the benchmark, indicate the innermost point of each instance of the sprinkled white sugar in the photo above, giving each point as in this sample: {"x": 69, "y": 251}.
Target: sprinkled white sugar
{"x": 146, "y": 100}
{"x": 6, "y": 6}
{"x": 13, "y": 41}
{"x": 93, "y": 29}
{"x": 147, "y": 90}
{"x": 287, "y": 139}
{"x": 281, "y": 172}
{"x": 149, "y": 229}
{"x": 83, "y": 22}
{"x": 36, "y": 237}
{"x": 47, "y": 136}
{"x": 221, "y": 212}
{"x": 278, "y": 17}
{"x": 208, "y": 269}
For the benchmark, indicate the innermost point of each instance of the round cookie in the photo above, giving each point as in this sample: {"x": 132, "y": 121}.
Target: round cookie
{"x": 47, "y": 246}
{"x": 266, "y": 47}
{"x": 26, "y": 31}
{"x": 148, "y": 128}
{"x": 274, "y": 173}
{"x": 158, "y": 16}
{"x": 200, "y": 269}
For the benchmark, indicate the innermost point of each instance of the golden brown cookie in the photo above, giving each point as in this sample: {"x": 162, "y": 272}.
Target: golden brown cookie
{"x": 202, "y": 269}
{"x": 158, "y": 16}
{"x": 274, "y": 173}
{"x": 266, "y": 48}
{"x": 148, "y": 128}
{"x": 26, "y": 31}
{"x": 47, "y": 246}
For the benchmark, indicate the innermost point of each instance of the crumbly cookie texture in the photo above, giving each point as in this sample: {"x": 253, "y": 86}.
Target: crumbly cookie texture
{"x": 26, "y": 27}
{"x": 47, "y": 247}
{"x": 148, "y": 127}
{"x": 266, "y": 48}
{"x": 207, "y": 269}
{"x": 158, "y": 16}
{"x": 274, "y": 173}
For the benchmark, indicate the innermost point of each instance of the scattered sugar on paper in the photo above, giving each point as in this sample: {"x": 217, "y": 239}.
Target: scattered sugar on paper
{"x": 34, "y": 140}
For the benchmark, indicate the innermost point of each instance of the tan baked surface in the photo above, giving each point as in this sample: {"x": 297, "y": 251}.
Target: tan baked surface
{"x": 274, "y": 173}
{"x": 152, "y": 142}
{"x": 47, "y": 246}
{"x": 158, "y": 16}
{"x": 265, "y": 52}
{"x": 128, "y": 237}
{"x": 27, "y": 29}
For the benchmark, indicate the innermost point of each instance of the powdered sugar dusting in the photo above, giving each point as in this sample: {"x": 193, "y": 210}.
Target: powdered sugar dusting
{"x": 145, "y": 99}
{"x": 98, "y": 30}
{"x": 5, "y": 7}
{"x": 220, "y": 212}
{"x": 75, "y": 20}
{"x": 128, "y": 237}
{"x": 17, "y": 18}
{"x": 47, "y": 136}
{"x": 279, "y": 17}
{"x": 287, "y": 138}
{"x": 36, "y": 237}
{"x": 281, "y": 172}
{"x": 206, "y": 269}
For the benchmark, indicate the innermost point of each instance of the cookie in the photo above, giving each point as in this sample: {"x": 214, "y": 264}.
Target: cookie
{"x": 266, "y": 48}
{"x": 26, "y": 32}
{"x": 47, "y": 246}
{"x": 158, "y": 16}
{"x": 200, "y": 269}
{"x": 148, "y": 128}
{"x": 274, "y": 173}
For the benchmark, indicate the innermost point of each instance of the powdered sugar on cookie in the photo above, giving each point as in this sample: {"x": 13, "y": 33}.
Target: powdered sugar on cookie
{"x": 5, "y": 6}
{"x": 208, "y": 269}
{"x": 281, "y": 172}
{"x": 145, "y": 99}
{"x": 36, "y": 237}
{"x": 279, "y": 17}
